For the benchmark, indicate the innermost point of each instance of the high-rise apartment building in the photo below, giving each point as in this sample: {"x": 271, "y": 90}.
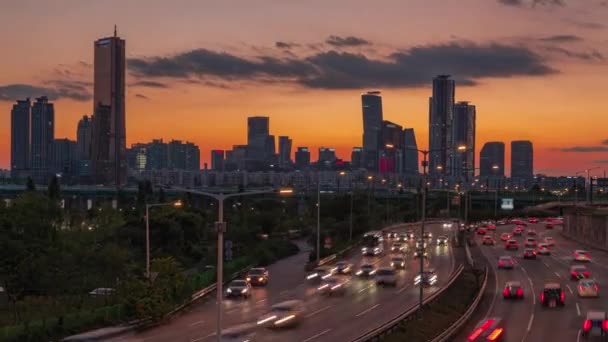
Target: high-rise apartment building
{"x": 20, "y": 138}
{"x": 108, "y": 142}
{"x": 410, "y": 153}
{"x": 492, "y": 160}
{"x": 137, "y": 157}
{"x": 391, "y": 160}
{"x": 83, "y": 138}
{"x": 463, "y": 130}
{"x": 217, "y": 160}
{"x": 356, "y": 158}
{"x": 327, "y": 156}
{"x": 522, "y": 163}
{"x": 372, "y": 129}
{"x": 64, "y": 157}
{"x": 302, "y": 158}
{"x": 258, "y": 137}
{"x": 42, "y": 136}
{"x": 441, "y": 113}
{"x": 284, "y": 151}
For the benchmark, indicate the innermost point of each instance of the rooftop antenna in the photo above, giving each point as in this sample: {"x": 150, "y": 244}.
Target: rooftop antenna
{"x": 115, "y": 31}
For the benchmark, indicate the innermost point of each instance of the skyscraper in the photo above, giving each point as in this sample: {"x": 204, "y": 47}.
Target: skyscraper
{"x": 108, "y": 143}
{"x": 42, "y": 138}
{"x": 372, "y": 129}
{"x": 410, "y": 153}
{"x": 258, "y": 137}
{"x": 64, "y": 157}
{"x": 356, "y": 158}
{"x": 157, "y": 155}
{"x": 492, "y": 160}
{"x": 284, "y": 151}
{"x": 217, "y": 160}
{"x": 441, "y": 112}
{"x": 391, "y": 150}
{"x": 302, "y": 158}
{"x": 20, "y": 138}
{"x": 327, "y": 156}
{"x": 183, "y": 156}
{"x": 83, "y": 138}
{"x": 463, "y": 128}
{"x": 522, "y": 163}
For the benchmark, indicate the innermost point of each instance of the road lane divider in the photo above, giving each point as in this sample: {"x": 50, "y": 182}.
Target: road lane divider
{"x": 317, "y": 335}
{"x": 367, "y": 310}
{"x": 317, "y": 311}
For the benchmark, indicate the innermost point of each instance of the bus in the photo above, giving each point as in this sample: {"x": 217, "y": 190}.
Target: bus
{"x": 372, "y": 243}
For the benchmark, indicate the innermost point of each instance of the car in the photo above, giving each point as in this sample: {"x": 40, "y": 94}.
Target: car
{"x": 579, "y": 272}
{"x": 513, "y": 290}
{"x": 581, "y": 256}
{"x": 481, "y": 231}
{"x": 239, "y": 333}
{"x": 343, "y": 268}
{"x": 403, "y": 237}
{"x": 442, "y": 240}
{"x": 398, "y": 247}
{"x": 549, "y": 225}
{"x": 552, "y": 295}
{"x": 427, "y": 235}
{"x": 258, "y": 276}
{"x": 595, "y": 325}
{"x": 398, "y": 262}
{"x": 283, "y": 315}
{"x": 549, "y": 241}
{"x": 320, "y": 273}
{"x": 238, "y": 288}
{"x": 532, "y": 220}
{"x": 366, "y": 270}
{"x": 530, "y": 242}
{"x": 511, "y": 244}
{"x": 491, "y": 329}
{"x": 421, "y": 252}
{"x": 544, "y": 249}
{"x": 392, "y": 235}
{"x": 332, "y": 286}
{"x": 490, "y": 226}
{"x": 426, "y": 278}
{"x": 517, "y": 231}
{"x": 519, "y": 222}
{"x": 447, "y": 225}
{"x": 529, "y": 253}
{"x": 505, "y": 236}
{"x": 409, "y": 234}
{"x": 531, "y": 232}
{"x": 421, "y": 243}
{"x": 488, "y": 240}
{"x": 386, "y": 276}
{"x": 506, "y": 262}
{"x": 588, "y": 288}
{"x": 501, "y": 222}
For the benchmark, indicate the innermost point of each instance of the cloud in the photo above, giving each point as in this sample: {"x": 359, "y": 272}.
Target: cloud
{"x": 587, "y": 24}
{"x": 562, "y": 38}
{"x": 149, "y": 84}
{"x": 142, "y": 96}
{"x": 585, "y": 56}
{"x": 338, "y": 41}
{"x": 332, "y": 69}
{"x": 532, "y": 3}
{"x": 56, "y": 89}
{"x": 585, "y": 149}
{"x": 601, "y": 161}
{"x": 285, "y": 45}
{"x": 605, "y": 142}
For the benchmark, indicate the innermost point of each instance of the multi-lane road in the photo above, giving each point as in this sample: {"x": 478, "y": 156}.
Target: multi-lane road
{"x": 527, "y": 320}
{"x": 365, "y": 306}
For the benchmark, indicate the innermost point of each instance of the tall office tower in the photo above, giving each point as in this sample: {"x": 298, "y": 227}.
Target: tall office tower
{"x": 356, "y": 157}
{"x": 522, "y": 163}
{"x": 64, "y": 157}
{"x": 20, "y": 138}
{"x": 217, "y": 160}
{"x": 463, "y": 131}
{"x": 372, "y": 129}
{"x": 391, "y": 160}
{"x": 157, "y": 155}
{"x": 108, "y": 143}
{"x": 441, "y": 110}
{"x": 83, "y": 138}
{"x": 492, "y": 163}
{"x": 302, "y": 158}
{"x": 42, "y": 137}
{"x": 284, "y": 151}
{"x": 410, "y": 153}
{"x": 258, "y": 137}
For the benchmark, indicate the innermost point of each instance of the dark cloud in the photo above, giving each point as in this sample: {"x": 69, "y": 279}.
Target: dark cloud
{"x": 587, "y": 24}
{"x": 344, "y": 70}
{"x": 605, "y": 142}
{"x": 142, "y": 96}
{"x": 585, "y": 149}
{"x": 532, "y": 3}
{"x": 56, "y": 89}
{"x": 562, "y": 38}
{"x": 149, "y": 84}
{"x": 585, "y": 56}
{"x": 338, "y": 41}
{"x": 285, "y": 45}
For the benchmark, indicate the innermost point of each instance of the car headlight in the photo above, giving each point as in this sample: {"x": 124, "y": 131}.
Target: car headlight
{"x": 392, "y": 264}
{"x": 402, "y": 264}
{"x": 229, "y": 291}
{"x": 243, "y": 291}
{"x": 359, "y": 272}
{"x": 248, "y": 279}
{"x": 260, "y": 279}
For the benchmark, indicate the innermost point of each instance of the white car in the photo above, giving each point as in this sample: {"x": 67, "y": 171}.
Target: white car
{"x": 543, "y": 249}
{"x": 447, "y": 225}
{"x": 581, "y": 255}
{"x": 283, "y": 315}
{"x": 332, "y": 286}
{"x": 239, "y": 288}
{"x": 442, "y": 240}
{"x": 588, "y": 288}
{"x": 386, "y": 276}
{"x": 398, "y": 262}
{"x": 420, "y": 243}
{"x": 427, "y": 278}
{"x": 549, "y": 241}
{"x": 320, "y": 273}
{"x": 398, "y": 247}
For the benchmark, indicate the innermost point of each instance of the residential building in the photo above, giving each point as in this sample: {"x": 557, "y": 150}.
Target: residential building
{"x": 522, "y": 163}
{"x": 20, "y": 138}
{"x": 42, "y": 137}
{"x": 463, "y": 128}
{"x": 441, "y": 113}
{"x": 372, "y": 129}
{"x": 302, "y": 158}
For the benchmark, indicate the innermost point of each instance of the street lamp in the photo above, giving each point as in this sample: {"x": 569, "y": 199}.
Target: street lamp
{"x": 221, "y": 228}
{"x": 350, "y": 230}
{"x": 176, "y": 204}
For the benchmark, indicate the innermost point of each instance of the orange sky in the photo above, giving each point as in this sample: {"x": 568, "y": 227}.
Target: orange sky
{"x": 561, "y": 110}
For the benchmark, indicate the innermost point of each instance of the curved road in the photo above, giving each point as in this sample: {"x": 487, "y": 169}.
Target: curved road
{"x": 527, "y": 320}
{"x": 363, "y": 308}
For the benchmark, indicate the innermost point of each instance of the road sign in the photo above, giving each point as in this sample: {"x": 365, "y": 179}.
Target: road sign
{"x": 506, "y": 204}
{"x": 602, "y": 182}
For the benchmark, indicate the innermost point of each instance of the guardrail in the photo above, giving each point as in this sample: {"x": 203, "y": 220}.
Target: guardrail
{"x": 393, "y": 324}
{"x": 449, "y": 333}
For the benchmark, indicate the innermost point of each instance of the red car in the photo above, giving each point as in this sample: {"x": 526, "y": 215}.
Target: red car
{"x": 549, "y": 225}
{"x": 513, "y": 289}
{"x": 519, "y": 222}
{"x": 532, "y": 220}
{"x": 531, "y": 232}
{"x": 505, "y": 236}
{"x": 517, "y": 231}
{"x": 481, "y": 231}
{"x": 487, "y": 240}
{"x": 490, "y": 226}
{"x": 511, "y": 244}
{"x": 530, "y": 242}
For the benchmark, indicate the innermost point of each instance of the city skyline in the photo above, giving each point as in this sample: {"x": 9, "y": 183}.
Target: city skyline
{"x": 562, "y": 62}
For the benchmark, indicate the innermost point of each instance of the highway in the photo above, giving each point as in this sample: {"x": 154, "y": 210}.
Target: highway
{"x": 364, "y": 307}
{"x": 527, "y": 320}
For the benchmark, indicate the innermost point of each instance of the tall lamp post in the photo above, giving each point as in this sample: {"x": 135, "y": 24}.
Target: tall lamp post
{"x": 176, "y": 204}
{"x": 221, "y": 229}
{"x": 351, "y": 193}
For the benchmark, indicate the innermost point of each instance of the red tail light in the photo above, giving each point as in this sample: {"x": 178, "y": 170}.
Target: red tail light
{"x": 562, "y": 296}
{"x": 580, "y": 287}
{"x": 586, "y": 325}
{"x": 605, "y": 325}
{"x": 596, "y": 288}
{"x": 505, "y": 292}
{"x": 480, "y": 330}
{"x": 495, "y": 334}
{"x": 586, "y": 274}
{"x": 574, "y": 274}
{"x": 501, "y": 263}
{"x": 542, "y": 297}
{"x": 520, "y": 292}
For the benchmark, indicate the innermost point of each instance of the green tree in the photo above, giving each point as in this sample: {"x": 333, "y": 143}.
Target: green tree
{"x": 30, "y": 186}
{"x": 54, "y": 189}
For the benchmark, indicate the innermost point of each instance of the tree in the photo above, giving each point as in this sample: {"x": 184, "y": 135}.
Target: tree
{"x": 161, "y": 196}
{"x": 30, "y": 186}
{"x": 54, "y": 189}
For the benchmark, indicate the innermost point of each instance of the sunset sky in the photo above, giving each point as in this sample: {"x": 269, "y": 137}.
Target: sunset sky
{"x": 535, "y": 69}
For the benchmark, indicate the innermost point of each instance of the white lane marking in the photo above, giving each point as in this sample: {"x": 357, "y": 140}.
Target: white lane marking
{"x": 544, "y": 263}
{"x": 578, "y": 310}
{"x": 317, "y": 335}
{"x": 196, "y": 323}
{"x": 318, "y": 311}
{"x": 403, "y": 288}
{"x": 532, "y": 290}
{"x": 558, "y": 275}
{"x": 261, "y": 301}
{"x": 496, "y": 291}
{"x": 365, "y": 288}
{"x": 578, "y": 335}
{"x": 569, "y": 289}
{"x": 202, "y": 338}
{"x": 366, "y": 311}
{"x": 530, "y": 323}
